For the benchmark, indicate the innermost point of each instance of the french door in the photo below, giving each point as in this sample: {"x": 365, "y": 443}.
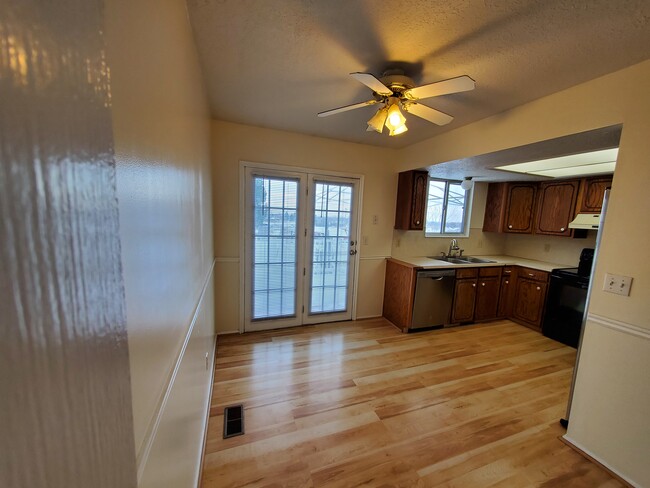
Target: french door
{"x": 300, "y": 249}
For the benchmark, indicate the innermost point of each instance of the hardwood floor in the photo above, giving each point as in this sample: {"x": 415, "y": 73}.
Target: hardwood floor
{"x": 361, "y": 404}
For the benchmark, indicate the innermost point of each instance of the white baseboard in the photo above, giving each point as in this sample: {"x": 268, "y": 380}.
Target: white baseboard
{"x": 598, "y": 460}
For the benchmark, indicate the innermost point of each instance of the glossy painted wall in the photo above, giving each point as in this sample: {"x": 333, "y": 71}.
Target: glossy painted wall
{"x": 65, "y": 399}
{"x": 162, "y": 152}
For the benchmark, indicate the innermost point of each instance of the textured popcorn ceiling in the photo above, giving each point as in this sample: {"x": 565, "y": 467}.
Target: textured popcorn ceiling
{"x": 278, "y": 63}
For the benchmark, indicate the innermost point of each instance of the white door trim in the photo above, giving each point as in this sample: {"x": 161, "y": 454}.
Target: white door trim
{"x": 243, "y": 166}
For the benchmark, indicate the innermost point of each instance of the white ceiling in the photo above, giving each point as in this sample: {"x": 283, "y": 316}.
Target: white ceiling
{"x": 277, "y": 63}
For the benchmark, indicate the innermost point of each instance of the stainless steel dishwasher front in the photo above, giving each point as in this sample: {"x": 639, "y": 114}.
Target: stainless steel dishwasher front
{"x": 434, "y": 292}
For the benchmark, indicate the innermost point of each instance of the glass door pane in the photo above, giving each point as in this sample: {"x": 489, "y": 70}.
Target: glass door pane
{"x": 275, "y": 223}
{"x": 332, "y": 242}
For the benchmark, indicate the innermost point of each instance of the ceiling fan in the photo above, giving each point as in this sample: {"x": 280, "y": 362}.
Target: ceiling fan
{"x": 394, "y": 90}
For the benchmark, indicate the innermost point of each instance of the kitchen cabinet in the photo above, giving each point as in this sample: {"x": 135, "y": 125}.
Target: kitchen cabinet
{"x": 520, "y": 206}
{"x": 487, "y": 293}
{"x": 592, "y": 192}
{"x": 556, "y": 203}
{"x": 399, "y": 293}
{"x": 510, "y": 207}
{"x": 507, "y": 292}
{"x": 464, "y": 300}
{"x": 530, "y": 297}
{"x": 411, "y": 200}
{"x": 495, "y": 207}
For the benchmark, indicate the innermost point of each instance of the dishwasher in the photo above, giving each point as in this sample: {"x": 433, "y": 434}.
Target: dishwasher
{"x": 434, "y": 292}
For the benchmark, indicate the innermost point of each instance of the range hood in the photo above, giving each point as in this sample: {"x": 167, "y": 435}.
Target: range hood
{"x": 585, "y": 221}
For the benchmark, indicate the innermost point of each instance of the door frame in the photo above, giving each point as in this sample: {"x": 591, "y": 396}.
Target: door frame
{"x": 243, "y": 167}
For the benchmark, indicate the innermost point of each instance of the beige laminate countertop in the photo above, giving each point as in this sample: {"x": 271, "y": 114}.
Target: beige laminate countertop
{"x": 424, "y": 262}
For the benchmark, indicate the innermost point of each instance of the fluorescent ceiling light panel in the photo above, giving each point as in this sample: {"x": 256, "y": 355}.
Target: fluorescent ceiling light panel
{"x": 572, "y": 165}
{"x": 589, "y": 169}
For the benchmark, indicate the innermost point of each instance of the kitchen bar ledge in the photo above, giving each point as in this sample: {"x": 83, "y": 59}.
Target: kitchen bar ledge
{"x": 423, "y": 262}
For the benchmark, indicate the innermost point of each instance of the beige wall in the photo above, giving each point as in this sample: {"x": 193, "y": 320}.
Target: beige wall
{"x": 232, "y": 143}
{"x": 162, "y": 151}
{"x": 413, "y": 243}
{"x": 620, "y": 97}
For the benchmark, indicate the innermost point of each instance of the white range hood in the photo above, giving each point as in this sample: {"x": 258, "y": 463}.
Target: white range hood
{"x": 585, "y": 221}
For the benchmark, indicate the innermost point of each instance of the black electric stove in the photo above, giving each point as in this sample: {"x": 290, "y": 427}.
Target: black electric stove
{"x": 565, "y": 304}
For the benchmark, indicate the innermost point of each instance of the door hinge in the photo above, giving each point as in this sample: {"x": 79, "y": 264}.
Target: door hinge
{"x": 303, "y": 309}
{"x": 303, "y": 271}
{"x": 305, "y": 232}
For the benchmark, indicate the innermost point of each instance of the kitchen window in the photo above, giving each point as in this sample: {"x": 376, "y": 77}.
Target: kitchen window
{"x": 447, "y": 209}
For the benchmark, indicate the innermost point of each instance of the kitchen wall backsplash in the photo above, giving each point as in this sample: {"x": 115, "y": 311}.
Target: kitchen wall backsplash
{"x": 560, "y": 250}
{"x": 413, "y": 243}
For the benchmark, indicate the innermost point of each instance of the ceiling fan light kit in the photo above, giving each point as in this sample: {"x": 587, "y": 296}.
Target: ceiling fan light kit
{"x": 395, "y": 90}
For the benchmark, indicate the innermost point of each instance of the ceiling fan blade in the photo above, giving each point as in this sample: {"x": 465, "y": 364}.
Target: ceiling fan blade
{"x": 445, "y": 87}
{"x": 428, "y": 113}
{"x": 346, "y": 108}
{"x": 373, "y": 83}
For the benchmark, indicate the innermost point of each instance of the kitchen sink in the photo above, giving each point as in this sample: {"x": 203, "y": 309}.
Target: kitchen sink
{"x": 471, "y": 259}
{"x": 461, "y": 260}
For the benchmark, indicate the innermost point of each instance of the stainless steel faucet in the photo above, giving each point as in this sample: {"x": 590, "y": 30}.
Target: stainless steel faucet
{"x": 453, "y": 246}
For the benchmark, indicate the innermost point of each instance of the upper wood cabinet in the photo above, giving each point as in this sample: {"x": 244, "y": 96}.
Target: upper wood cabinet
{"x": 556, "y": 203}
{"x": 592, "y": 192}
{"x": 542, "y": 208}
{"x": 510, "y": 207}
{"x": 520, "y": 206}
{"x": 495, "y": 207}
{"x": 411, "y": 200}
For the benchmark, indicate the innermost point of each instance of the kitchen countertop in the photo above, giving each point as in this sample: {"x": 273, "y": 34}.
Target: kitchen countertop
{"x": 423, "y": 262}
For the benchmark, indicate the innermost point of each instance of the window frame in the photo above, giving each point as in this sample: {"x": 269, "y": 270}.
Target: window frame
{"x": 467, "y": 210}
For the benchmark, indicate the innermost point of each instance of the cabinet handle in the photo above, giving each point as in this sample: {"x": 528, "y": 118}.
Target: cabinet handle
{"x": 510, "y": 226}
{"x": 531, "y": 274}
{"x": 538, "y": 288}
{"x": 562, "y": 229}
{"x": 482, "y": 284}
{"x": 417, "y": 222}
{"x": 507, "y": 282}
{"x": 474, "y": 285}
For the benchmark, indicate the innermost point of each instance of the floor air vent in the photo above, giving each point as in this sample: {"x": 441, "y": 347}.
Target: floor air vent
{"x": 233, "y": 421}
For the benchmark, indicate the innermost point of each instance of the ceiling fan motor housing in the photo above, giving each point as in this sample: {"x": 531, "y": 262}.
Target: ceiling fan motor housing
{"x": 397, "y": 82}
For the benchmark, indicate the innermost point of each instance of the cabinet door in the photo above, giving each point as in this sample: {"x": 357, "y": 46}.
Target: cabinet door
{"x": 506, "y": 296}
{"x": 529, "y": 302}
{"x": 419, "y": 200}
{"x": 464, "y": 299}
{"x": 411, "y": 200}
{"x": 495, "y": 207}
{"x": 592, "y": 194}
{"x": 556, "y": 207}
{"x": 519, "y": 208}
{"x": 487, "y": 298}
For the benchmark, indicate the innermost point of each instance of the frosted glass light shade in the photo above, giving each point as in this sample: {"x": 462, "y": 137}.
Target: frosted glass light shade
{"x": 466, "y": 184}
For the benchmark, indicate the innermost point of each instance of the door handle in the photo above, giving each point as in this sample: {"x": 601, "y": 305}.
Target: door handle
{"x": 353, "y": 252}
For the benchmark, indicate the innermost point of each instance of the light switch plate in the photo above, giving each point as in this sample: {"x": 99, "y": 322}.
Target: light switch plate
{"x": 617, "y": 284}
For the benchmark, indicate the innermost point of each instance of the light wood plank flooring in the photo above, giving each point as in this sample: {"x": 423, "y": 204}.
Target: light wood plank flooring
{"x": 361, "y": 404}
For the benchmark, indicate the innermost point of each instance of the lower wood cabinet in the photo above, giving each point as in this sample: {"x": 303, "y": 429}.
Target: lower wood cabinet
{"x": 476, "y": 294}
{"x": 529, "y": 302}
{"x": 480, "y": 294}
{"x": 506, "y": 296}
{"x": 487, "y": 298}
{"x": 464, "y": 300}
